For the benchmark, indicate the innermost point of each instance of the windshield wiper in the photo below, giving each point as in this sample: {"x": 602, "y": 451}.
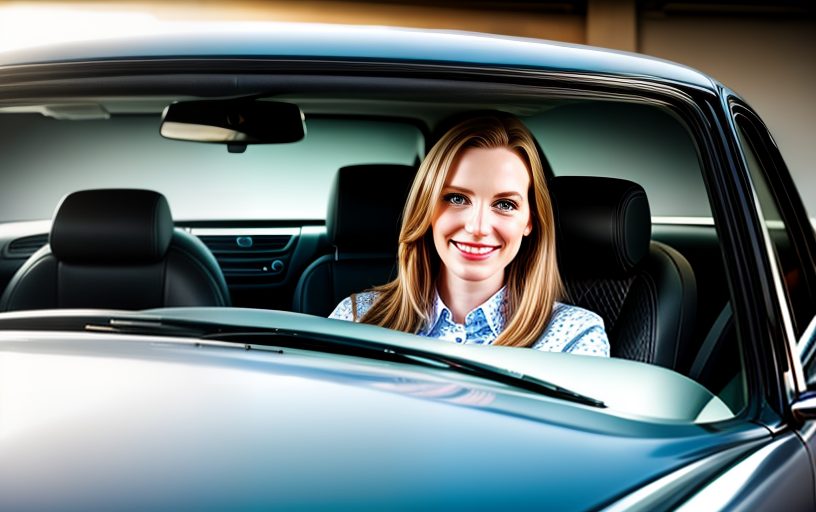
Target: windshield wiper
{"x": 275, "y": 337}
{"x": 516, "y": 379}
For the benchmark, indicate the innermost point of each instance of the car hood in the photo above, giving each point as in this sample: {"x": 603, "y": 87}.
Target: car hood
{"x": 92, "y": 421}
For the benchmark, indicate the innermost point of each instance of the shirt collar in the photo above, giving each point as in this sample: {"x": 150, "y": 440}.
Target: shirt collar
{"x": 492, "y": 308}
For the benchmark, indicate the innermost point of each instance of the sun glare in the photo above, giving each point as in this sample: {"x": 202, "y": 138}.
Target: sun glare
{"x": 30, "y": 26}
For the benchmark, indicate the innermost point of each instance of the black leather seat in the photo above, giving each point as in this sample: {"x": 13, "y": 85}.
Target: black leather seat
{"x": 362, "y": 223}
{"x": 645, "y": 291}
{"x": 117, "y": 249}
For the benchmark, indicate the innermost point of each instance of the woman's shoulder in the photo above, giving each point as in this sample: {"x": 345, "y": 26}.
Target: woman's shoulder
{"x": 354, "y": 306}
{"x": 574, "y": 315}
{"x": 575, "y": 330}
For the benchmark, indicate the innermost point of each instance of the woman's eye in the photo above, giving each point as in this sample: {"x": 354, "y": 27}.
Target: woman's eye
{"x": 456, "y": 199}
{"x": 505, "y": 205}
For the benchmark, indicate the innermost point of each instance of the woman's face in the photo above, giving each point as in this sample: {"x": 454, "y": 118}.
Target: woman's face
{"x": 482, "y": 215}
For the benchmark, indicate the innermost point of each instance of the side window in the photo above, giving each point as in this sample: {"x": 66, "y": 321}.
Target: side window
{"x": 780, "y": 222}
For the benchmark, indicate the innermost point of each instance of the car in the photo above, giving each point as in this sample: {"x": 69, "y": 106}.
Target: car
{"x": 220, "y": 188}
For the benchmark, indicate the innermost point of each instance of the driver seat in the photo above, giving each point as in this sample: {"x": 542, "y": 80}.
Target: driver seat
{"x": 645, "y": 291}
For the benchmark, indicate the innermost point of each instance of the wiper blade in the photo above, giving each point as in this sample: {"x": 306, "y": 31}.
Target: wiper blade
{"x": 157, "y": 326}
{"x": 522, "y": 380}
{"x": 274, "y": 337}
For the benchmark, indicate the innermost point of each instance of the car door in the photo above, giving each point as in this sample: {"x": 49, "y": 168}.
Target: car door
{"x": 791, "y": 247}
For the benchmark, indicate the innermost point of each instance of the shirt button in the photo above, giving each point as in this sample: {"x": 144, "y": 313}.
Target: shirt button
{"x": 458, "y": 339}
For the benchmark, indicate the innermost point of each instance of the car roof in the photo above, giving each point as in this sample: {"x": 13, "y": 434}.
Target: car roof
{"x": 250, "y": 40}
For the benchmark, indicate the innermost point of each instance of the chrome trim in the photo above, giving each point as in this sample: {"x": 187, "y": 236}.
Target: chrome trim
{"x": 655, "y": 493}
{"x": 244, "y": 231}
{"x": 685, "y": 221}
{"x": 313, "y": 230}
{"x": 807, "y": 339}
{"x": 806, "y": 346}
{"x": 708, "y": 221}
{"x": 794, "y": 378}
{"x": 718, "y": 493}
{"x": 804, "y": 409}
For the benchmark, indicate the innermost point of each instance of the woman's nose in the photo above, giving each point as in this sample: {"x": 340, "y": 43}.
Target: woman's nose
{"x": 478, "y": 224}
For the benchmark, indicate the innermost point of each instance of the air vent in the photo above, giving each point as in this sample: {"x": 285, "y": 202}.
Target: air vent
{"x": 25, "y": 247}
{"x": 246, "y": 244}
{"x": 250, "y": 257}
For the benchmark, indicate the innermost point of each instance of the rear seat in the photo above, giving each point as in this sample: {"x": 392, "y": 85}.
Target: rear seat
{"x": 362, "y": 224}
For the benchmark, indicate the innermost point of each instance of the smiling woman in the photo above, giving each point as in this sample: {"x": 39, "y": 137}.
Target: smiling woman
{"x": 477, "y": 260}
{"x": 479, "y": 223}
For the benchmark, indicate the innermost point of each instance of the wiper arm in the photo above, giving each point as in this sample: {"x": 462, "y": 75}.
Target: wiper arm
{"x": 275, "y": 337}
{"x": 521, "y": 380}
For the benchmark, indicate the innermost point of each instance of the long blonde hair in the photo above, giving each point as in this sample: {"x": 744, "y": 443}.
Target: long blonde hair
{"x": 532, "y": 279}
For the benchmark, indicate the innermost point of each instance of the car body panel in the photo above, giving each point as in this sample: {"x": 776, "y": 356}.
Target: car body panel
{"x": 313, "y": 41}
{"x": 670, "y": 397}
{"x": 213, "y": 425}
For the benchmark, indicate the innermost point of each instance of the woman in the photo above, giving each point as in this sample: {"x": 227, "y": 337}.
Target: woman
{"x": 477, "y": 261}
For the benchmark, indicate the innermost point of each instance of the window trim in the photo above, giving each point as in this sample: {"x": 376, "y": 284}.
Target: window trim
{"x": 743, "y": 119}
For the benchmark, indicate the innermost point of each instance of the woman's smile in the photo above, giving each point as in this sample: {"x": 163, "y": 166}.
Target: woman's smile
{"x": 472, "y": 251}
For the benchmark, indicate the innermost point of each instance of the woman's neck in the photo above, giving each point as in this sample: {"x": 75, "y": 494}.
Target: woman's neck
{"x": 462, "y": 297}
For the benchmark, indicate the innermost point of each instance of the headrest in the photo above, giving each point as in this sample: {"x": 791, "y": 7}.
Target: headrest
{"x": 603, "y": 225}
{"x": 366, "y": 205}
{"x": 112, "y": 226}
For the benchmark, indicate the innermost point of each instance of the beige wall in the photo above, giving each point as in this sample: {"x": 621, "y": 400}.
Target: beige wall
{"x": 532, "y": 22}
{"x": 769, "y": 62}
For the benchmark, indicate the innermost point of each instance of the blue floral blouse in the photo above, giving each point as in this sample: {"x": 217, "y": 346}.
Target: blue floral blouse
{"x": 571, "y": 329}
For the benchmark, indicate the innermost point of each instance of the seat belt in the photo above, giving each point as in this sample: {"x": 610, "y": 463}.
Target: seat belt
{"x": 710, "y": 343}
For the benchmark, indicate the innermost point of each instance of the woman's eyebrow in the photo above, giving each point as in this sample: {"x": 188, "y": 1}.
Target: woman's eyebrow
{"x": 457, "y": 189}
{"x": 510, "y": 194}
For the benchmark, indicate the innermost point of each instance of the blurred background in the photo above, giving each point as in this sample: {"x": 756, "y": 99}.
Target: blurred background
{"x": 764, "y": 50}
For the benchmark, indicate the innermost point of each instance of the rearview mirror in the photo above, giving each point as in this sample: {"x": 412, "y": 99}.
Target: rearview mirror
{"x": 233, "y": 122}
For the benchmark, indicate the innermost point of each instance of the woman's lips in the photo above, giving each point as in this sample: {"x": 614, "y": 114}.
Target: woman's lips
{"x": 475, "y": 251}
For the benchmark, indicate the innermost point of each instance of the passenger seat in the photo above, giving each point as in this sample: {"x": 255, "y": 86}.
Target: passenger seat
{"x": 117, "y": 249}
{"x": 362, "y": 224}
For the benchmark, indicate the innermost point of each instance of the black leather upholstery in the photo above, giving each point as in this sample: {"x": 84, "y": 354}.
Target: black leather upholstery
{"x": 362, "y": 223}
{"x": 117, "y": 249}
{"x": 645, "y": 291}
{"x": 112, "y": 226}
{"x": 604, "y": 224}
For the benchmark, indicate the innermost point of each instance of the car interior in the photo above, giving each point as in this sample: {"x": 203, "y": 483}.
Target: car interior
{"x": 298, "y": 226}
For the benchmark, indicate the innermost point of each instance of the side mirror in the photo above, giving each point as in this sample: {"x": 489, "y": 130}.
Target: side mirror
{"x": 804, "y": 408}
{"x": 233, "y": 122}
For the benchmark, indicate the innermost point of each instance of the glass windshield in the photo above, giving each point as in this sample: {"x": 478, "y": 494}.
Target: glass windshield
{"x": 201, "y": 181}
{"x": 283, "y": 192}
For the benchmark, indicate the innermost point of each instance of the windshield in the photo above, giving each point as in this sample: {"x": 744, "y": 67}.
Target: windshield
{"x": 284, "y": 233}
{"x": 289, "y": 181}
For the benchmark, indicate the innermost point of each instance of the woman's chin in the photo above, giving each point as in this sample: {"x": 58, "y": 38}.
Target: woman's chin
{"x": 476, "y": 275}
